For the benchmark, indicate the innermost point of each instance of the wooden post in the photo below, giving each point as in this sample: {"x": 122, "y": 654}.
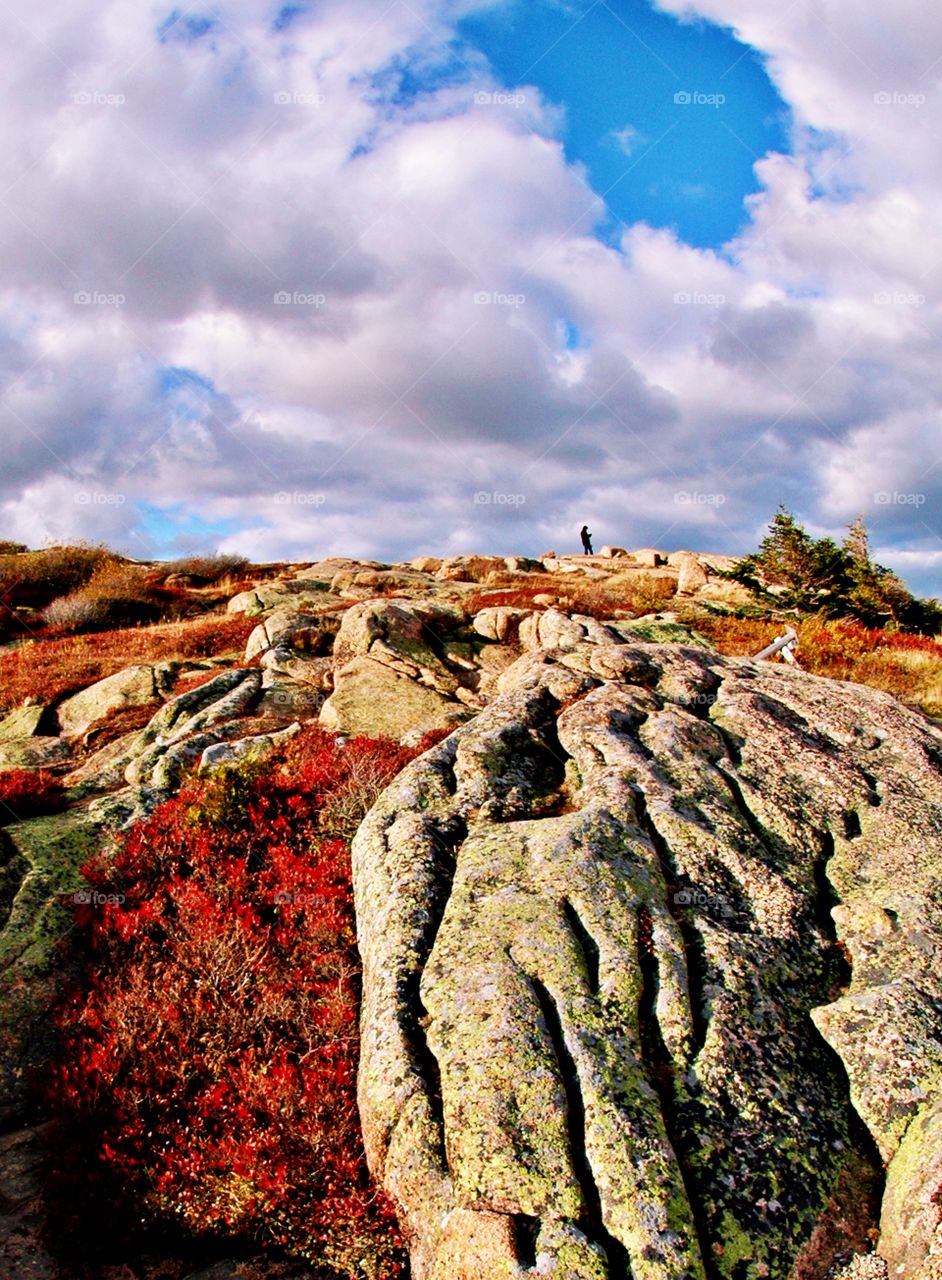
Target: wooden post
{"x": 785, "y": 645}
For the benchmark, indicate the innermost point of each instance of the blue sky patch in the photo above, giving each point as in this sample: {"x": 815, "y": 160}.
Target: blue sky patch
{"x": 286, "y": 15}
{"x": 667, "y": 117}
{"x": 174, "y": 527}
{"x": 184, "y": 27}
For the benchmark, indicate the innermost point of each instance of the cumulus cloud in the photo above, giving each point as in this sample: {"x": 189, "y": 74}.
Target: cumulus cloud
{"x": 313, "y": 276}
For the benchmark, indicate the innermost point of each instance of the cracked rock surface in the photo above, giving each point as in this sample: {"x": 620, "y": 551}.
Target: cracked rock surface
{"x": 652, "y": 979}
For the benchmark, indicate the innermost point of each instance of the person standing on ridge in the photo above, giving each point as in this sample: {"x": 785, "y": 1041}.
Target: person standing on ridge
{"x": 586, "y": 540}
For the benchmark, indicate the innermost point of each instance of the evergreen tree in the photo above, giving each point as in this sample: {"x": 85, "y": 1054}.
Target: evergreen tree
{"x": 794, "y": 570}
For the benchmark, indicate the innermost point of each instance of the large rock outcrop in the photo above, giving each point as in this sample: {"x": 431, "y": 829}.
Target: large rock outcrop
{"x": 609, "y": 1025}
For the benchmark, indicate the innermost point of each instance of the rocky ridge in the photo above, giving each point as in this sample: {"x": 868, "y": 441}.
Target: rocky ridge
{"x": 607, "y": 1006}
{"x": 651, "y": 941}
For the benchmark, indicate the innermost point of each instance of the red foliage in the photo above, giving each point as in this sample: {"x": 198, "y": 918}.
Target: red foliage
{"x": 27, "y": 793}
{"x": 209, "y": 1045}
{"x": 54, "y": 668}
{"x": 190, "y": 680}
{"x": 601, "y": 600}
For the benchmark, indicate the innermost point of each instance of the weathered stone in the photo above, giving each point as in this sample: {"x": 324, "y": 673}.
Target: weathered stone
{"x": 692, "y": 575}
{"x": 132, "y": 687}
{"x": 594, "y": 928}
{"x": 174, "y": 761}
{"x": 550, "y": 629}
{"x": 649, "y": 557}
{"x": 306, "y": 632}
{"x": 657, "y": 629}
{"x": 523, "y": 564}
{"x": 224, "y": 697}
{"x": 324, "y": 570}
{"x": 39, "y": 867}
{"x": 470, "y": 568}
{"x": 612, "y": 553}
{"x": 33, "y": 753}
{"x": 887, "y": 1039}
{"x": 282, "y": 593}
{"x": 279, "y": 662}
{"x": 369, "y": 697}
{"x": 283, "y": 697}
{"x": 257, "y": 642}
{"x": 404, "y": 634}
{"x": 25, "y": 1251}
{"x": 228, "y": 752}
{"x": 499, "y": 623}
{"x": 105, "y": 767}
{"x": 426, "y": 564}
{"x": 23, "y": 722}
{"x": 245, "y": 602}
{"x": 911, "y": 1223}
{"x": 371, "y": 581}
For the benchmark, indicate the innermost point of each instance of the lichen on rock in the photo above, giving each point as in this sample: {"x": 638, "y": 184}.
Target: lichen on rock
{"x": 601, "y": 970}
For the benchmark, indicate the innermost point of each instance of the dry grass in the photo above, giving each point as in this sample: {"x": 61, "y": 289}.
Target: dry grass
{"x": 35, "y": 578}
{"x": 52, "y": 669}
{"x": 208, "y": 568}
{"x": 117, "y": 594}
{"x": 909, "y": 667}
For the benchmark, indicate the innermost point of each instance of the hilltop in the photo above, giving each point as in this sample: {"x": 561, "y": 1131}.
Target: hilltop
{"x": 571, "y": 759}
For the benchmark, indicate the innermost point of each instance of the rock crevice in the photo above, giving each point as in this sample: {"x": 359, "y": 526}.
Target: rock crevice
{"x": 627, "y": 961}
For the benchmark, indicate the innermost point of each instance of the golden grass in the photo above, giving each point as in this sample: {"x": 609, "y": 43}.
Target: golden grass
{"x": 907, "y": 666}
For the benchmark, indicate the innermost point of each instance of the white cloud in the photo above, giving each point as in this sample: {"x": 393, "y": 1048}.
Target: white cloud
{"x": 434, "y": 253}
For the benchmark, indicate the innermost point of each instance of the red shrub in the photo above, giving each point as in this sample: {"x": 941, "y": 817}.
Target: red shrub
{"x": 210, "y": 1043}
{"x": 54, "y": 668}
{"x": 27, "y": 793}
{"x": 637, "y": 593}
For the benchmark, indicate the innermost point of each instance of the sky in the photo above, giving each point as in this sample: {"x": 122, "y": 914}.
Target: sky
{"x": 382, "y": 279}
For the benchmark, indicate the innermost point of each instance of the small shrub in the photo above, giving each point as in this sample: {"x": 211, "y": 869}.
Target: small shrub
{"x": 634, "y": 592}
{"x": 209, "y": 568}
{"x": 11, "y": 548}
{"x": 209, "y": 1044}
{"x": 117, "y": 594}
{"x": 82, "y": 611}
{"x": 28, "y": 793}
{"x": 53, "y": 668}
{"x": 36, "y": 578}
{"x": 116, "y": 725}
